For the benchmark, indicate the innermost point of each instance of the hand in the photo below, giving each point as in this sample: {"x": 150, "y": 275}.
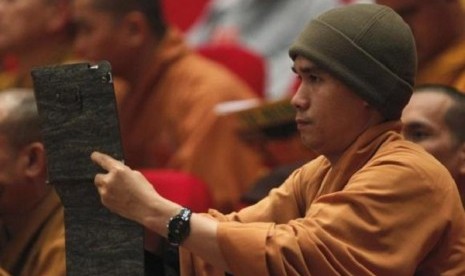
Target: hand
{"x": 123, "y": 190}
{"x": 128, "y": 193}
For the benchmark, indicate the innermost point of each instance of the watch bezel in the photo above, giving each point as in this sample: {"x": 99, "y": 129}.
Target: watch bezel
{"x": 179, "y": 227}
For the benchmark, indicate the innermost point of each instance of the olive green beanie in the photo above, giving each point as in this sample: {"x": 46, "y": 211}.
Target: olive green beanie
{"x": 369, "y": 48}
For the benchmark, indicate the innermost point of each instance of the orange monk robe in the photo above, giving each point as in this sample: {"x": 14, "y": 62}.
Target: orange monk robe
{"x": 385, "y": 208}
{"x": 448, "y": 68}
{"x": 39, "y": 248}
{"x": 7, "y": 80}
{"x": 168, "y": 121}
{"x": 21, "y": 77}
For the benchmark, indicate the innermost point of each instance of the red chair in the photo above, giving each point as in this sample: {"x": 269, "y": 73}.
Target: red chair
{"x": 180, "y": 187}
{"x": 247, "y": 64}
{"x": 8, "y": 63}
{"x": 183, "y": 13}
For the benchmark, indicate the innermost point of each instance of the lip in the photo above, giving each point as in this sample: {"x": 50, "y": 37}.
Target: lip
{"x": 302, "y": 123}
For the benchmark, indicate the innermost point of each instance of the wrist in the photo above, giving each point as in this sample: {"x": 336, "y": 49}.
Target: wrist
{"x": 178, "y": 227}
{"x": 162, "y": 211}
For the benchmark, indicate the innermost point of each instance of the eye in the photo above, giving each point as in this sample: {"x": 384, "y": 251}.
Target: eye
{"x": 314, "y": 78}
{"x": 296, "y": 73}
{"x": 84, "y": 30}
{"x": 81, "y": 27}
{"x": 416, "y": 135}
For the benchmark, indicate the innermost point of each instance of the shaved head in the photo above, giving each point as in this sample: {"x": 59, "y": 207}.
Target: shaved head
{"x": 150, "y": 8}
{"x": 19, "y": 120}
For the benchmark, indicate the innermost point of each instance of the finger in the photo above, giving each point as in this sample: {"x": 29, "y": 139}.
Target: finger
{"x": 99, "y": 180}
{"x": 103, "y": 160}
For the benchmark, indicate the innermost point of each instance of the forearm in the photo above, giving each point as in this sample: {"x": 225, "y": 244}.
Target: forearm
{"x": 203, "y": 241}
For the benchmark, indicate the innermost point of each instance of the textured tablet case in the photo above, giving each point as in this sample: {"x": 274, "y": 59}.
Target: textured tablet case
{"x": 76, "y": 103}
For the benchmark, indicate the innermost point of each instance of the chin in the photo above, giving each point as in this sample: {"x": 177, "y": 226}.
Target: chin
{"x": 308, "y": 143}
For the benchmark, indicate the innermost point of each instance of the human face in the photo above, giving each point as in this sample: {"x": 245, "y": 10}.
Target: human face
{"x": 429, "y": 22}
{"x": 22, "y": 23}
{"x": 424, "y": 124}
{"x": 329, "y": 115}
{"x": 98, "y": 35}
{"x": 16, "y": 195}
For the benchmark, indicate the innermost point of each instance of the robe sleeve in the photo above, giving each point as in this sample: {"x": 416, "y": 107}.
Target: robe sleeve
{"x": 376, "y": 225}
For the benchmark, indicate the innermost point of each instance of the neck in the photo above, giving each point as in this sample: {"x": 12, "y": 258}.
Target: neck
{"x": 16, "y": 221}
{"x": 373, "y": 118}
{"x": 139, "y": 63}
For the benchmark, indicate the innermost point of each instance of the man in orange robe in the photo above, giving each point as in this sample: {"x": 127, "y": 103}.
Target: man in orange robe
{"x": 33, "y": 33}
{"x": 32, "y": 232}
{"x": 434, "y": 119}
{"x": 371, "y": 204}
{"x": 168, "y": 116}
{"x": 439, "y": 31}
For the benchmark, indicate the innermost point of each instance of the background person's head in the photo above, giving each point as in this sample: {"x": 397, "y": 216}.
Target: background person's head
{"x": 117, "y": 30}
{"x": 436, "y": 24}
{"x": 28, "y": 24}
{"x": 435, "y": 119}
{"x": 358, "y": 65}
{"x": 22, "y": 155}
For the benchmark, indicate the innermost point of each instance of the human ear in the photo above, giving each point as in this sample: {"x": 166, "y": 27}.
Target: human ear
{"x": 461, "y": 159}
{"x": 135, "y": 28}
{"x": 33, "y": 160}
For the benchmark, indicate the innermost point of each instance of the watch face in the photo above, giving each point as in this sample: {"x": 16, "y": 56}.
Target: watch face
{"x": 178, "y": 227}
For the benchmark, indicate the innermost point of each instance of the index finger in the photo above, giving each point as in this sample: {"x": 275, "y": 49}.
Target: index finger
{"x": 103, "y": 160}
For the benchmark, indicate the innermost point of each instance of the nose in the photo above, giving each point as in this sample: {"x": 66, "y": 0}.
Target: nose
{"x": 299, "y": 101}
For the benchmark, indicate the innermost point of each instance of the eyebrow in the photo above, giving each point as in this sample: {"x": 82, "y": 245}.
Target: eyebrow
{"x": 312, "y": 69}
{"x": 415, "y": 125}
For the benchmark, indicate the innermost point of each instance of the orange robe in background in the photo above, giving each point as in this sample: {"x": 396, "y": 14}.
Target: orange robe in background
{"x": 168, "y": 121}
{"x": 39, "y": 248}
{"x": 21, "y": 78}
{"x": 6, "y": 81}
{"x": 385, "y": 208}
{"x": 448, "y": 68}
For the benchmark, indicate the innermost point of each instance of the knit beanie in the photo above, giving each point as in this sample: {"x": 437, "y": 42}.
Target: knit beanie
{"x": 369, "y": 48}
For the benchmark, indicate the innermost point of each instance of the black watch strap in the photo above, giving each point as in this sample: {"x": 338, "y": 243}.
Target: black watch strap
{"x": 179, "y": 227}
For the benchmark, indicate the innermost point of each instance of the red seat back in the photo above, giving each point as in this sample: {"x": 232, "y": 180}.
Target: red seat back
{"x": 183, "y": 13}
{"x": 248, "y": 65}
{"x": 180, "y": 187}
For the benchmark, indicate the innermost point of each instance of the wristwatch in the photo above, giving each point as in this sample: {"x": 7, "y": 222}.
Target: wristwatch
{"x": 179, "y": 227}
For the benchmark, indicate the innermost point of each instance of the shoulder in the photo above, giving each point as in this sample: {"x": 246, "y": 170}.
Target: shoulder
{"x": 406, "y": 154}
{"x": 404, "y": 166}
